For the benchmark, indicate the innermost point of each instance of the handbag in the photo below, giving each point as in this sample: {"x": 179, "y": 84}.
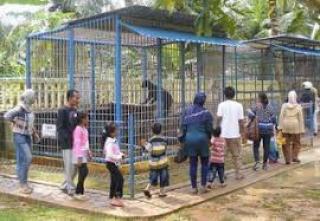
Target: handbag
{"x": 253, "y": 130}
{"x": 180, "y": 157}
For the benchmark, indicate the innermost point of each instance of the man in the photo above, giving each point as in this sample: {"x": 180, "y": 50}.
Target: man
{"x": 230, "y": 119}
{"x": 308, "y": 97}
{"x": 66, "y": 122}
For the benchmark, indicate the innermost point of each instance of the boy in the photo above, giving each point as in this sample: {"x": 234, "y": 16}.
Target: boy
{"x": 158, "y": 161}
{"x": 217, "y": 158}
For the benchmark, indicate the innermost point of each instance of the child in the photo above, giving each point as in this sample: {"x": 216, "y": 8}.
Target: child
{"x": 217, "y": 158}
{"x": 81, "y": 153}
{"x": 113, "y": 157}
{"x": 158, "y": 161}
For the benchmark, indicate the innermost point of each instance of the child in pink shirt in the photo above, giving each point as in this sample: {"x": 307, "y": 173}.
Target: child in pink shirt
{"x": 81, "y": 153}
{"x": 217, "y": 158}
{"x": 113, "y": 157}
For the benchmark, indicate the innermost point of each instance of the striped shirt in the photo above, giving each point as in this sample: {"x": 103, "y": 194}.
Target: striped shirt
{"x": 22, "y": 120}
{"x": 157, "y": 148}
{"x": 217, "y": 150}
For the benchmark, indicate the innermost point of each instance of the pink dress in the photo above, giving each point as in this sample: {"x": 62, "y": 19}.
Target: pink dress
{"x": 80, "y": 148}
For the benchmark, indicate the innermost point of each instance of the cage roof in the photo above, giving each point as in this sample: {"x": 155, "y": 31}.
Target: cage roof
{"x": 180, "y": 36}
{"x": 283, "y": 40}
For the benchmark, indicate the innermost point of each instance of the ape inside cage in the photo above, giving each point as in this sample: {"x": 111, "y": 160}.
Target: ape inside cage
{"x": 136, "y": 66}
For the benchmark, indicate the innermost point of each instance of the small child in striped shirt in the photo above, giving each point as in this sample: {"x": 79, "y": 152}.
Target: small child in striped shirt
{"x": 217, "y": 158}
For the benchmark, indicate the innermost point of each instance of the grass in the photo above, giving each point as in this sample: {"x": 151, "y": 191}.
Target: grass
{"x": 24, "y": 2}
{"x": 312, "y": 194}
{"x": 24, "y": 211}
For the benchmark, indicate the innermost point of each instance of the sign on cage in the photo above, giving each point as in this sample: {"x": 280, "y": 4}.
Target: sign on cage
{"x": 49, "y": 131}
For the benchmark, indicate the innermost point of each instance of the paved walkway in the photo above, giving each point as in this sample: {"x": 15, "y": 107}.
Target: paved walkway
{"x": 140, "y": 207}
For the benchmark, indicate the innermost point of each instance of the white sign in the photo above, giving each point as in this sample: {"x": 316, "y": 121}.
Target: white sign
{"x": 49, "y": 130}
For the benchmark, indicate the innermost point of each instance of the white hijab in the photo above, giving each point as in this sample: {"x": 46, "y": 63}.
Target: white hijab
{"x": 292, "y": 97}
{"x": 27, "y": 99}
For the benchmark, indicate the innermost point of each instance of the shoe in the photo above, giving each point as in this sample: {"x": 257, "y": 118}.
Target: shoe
{"x": 161, "y": 195}
{"x": 210, "y": 186}
{"x": 256, "y": 166}
{"x": 194, "y": 191}
{"x": 25, "y": 190}
{"x": 203, "y": 190}
{"x": 265, "y": 166}
{"x": 147, "y": 194}
{"x": 288, "y": 163}
{"x": 80, "y": 197}
{"x": 116, "y": 203}
{"x": 296, "y": 161}
{"x": 223, "y": 185}
{"x": 239, "y": 177}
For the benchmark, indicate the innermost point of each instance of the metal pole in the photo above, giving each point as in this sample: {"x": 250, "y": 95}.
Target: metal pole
{"x": 223, "y": 69}
{"x": 182, "y": 75}
{"x": 71, "y": 59}
{"x": 28, "y": 64}
{"x": 159, "y": 80}
{"x": 144, "y": 65}
{"x": 131, "y": 156}
{"x": 93, "y": 119}
{"x": 117, "y": 77}
{"x": 199, "y": 67}
{"x": 236, "y": 68}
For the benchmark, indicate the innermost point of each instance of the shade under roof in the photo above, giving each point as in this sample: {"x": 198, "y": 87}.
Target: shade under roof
{"x": 180, "y": 36}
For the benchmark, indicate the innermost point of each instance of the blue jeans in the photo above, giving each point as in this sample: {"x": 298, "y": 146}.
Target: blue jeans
{"x": 160, "y": 174}
{"x": 23, "y": 156}
{"x": 193, "y": 170}
{"x": 214, "y": 169}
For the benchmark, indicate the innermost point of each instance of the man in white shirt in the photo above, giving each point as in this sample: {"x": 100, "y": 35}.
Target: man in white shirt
{"x": 230, "y": 118}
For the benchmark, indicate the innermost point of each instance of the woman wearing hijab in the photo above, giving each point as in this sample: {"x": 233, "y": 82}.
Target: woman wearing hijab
{"x": 22, "y": 118}
{"x": 291, "y": 124}
{"x": 197, "y": 130}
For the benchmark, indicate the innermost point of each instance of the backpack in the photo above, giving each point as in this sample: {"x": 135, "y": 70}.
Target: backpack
{"x": 252, "y": 130}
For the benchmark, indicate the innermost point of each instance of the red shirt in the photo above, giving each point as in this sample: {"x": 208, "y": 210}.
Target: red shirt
{"x": 217, "y": 150}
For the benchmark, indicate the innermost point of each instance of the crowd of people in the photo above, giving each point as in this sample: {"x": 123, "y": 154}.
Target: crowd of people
{"x": 203, "y": 139}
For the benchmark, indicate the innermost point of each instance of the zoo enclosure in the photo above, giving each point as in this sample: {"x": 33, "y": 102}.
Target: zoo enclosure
{"x": 108, "y": 56}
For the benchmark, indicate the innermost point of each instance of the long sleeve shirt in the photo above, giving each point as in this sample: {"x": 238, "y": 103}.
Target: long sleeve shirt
{"x": 22, "y": 120}
{"x": 112, "y": 151}
{"x": 80, "y": 148}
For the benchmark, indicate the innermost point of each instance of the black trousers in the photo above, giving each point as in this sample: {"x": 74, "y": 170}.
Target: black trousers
{"x": 82, "y": 174}
{"x": 116, "y": 186}
{"x": 215, "y": 168}
{"x": 266, "y": 147}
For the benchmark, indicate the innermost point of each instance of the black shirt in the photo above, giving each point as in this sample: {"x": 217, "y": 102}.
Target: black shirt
{"x": 66, "y": 122}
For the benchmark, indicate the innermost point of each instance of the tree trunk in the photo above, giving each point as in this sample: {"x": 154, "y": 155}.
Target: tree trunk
{"x": 273, "y": 17}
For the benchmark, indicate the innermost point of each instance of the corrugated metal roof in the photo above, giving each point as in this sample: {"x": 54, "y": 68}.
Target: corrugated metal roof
{"x": 180, "y": 36}
{"x": 284, "y": 40}
{"x": 304, "y": 51}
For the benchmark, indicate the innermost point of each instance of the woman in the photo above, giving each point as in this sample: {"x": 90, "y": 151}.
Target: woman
{"x": 291, "y": 124}
{"x": 197, "y": 130}
{"x": 22, "y": 118}
{"x": 265, "y": 115}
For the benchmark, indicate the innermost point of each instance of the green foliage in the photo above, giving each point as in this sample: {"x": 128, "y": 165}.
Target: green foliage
{"x": 12, "y": 44}
{"x": 24, "y": 2}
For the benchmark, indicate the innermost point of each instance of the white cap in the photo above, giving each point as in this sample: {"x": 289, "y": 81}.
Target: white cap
{"x": 307, "y": 85}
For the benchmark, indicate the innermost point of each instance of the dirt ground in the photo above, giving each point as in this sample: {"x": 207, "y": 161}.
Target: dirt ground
{"x": 290, "y": 196}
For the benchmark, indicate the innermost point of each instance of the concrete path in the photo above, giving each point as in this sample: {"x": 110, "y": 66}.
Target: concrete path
{"x": 140, "y": 207}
